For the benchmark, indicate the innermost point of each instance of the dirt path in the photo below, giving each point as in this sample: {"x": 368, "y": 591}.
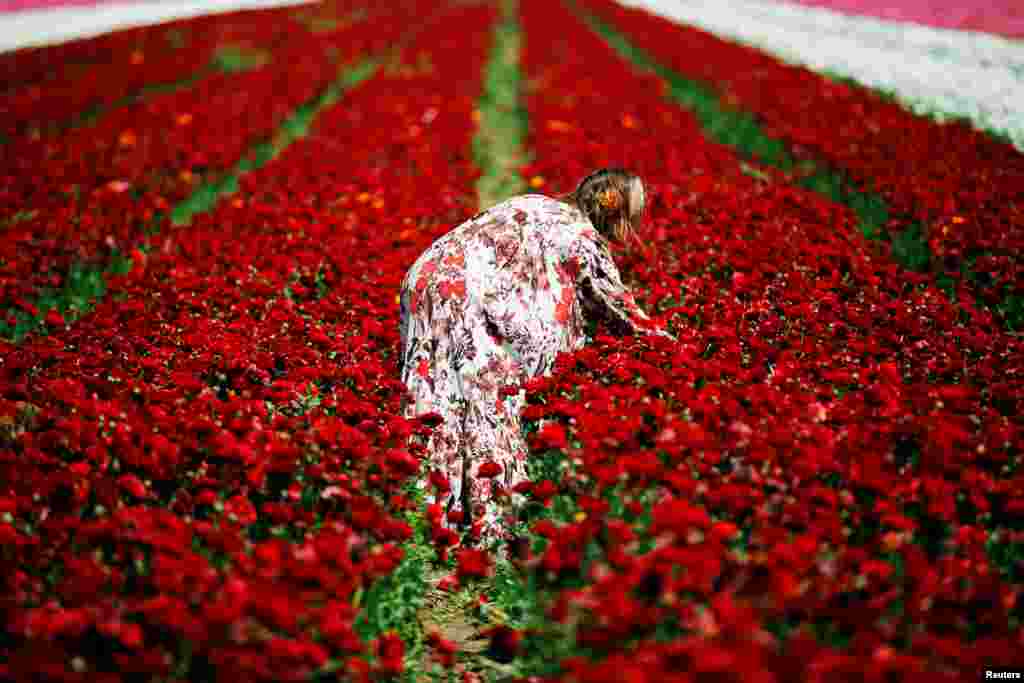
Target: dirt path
{"x": 456, "y": 617}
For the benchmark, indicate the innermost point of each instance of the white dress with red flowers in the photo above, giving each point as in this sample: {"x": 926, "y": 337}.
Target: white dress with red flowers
{"x": 489, "y": 305}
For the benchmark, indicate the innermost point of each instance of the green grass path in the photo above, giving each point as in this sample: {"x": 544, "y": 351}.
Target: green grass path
{"x": 499, "y": 144}
{"x": 409, "y": 601}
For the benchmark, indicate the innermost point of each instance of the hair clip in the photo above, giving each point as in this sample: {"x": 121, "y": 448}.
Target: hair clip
{"x": 609, "y": 199}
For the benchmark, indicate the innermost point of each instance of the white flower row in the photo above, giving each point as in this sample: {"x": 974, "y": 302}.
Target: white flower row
{"x": 932, "y": 71}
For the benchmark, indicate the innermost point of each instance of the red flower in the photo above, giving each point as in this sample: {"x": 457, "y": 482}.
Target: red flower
{"x": 53, "y": 317}
{"x": 390, "y": 653}
{"x": 444, "y": 650}
{"x": 544, "y": 490}
{"x": 241, "y": 509}
{"x": 455, "y": 516}
{"x": 552, "y": 436}
{"x": 132, "y": 485}
{"x": 473, "y": 563}
{"x": 489, "y": 470}
{"x": 439, "y": 482}
{"x": 504, "y": 643}
{"x": 448, "y": 583}
{"x": 678, "y": 516}
{"x": 430, "y": 419}
{"x": 129, "y": 634}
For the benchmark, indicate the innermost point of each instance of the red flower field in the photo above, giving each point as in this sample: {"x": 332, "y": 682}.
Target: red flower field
{"x": 204, "y": 472}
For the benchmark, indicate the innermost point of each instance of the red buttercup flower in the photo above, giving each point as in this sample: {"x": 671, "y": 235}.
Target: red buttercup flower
{"x": 489, "y": 470}
{"x": 523, "y": 487}
{"x": 448, "y": 583}
{"x": 132, "y": 485}
{"x": 544, "y": 490}
{"x": 473, "y": 563}
{"x": 455, "y": 516}
{"x": 241, "y": 510}
{"x": 552, "y": 435}
{"x": 53, "y": 317}
{"x": 504, "y": 643}
{"x": 430, "y": 419}
{"x": 444, "y": 650}
{"x": 678, "y": 516}
{"x": 439, "y": 481}
{"x": 390, "y": 652}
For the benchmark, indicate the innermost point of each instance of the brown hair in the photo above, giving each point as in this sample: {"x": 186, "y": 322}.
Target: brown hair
{"x": 613, "y": 199}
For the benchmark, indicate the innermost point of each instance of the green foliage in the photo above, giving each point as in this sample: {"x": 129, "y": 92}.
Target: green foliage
{"x": 1007, "y": 556}
{"x": 18, "y": 216}
{"x": 910, "y": 248}
{"x": 498, "y": 147}
{"x": 523, "y": 600}
{"x": 236, "y": 59}
{"x": 392, "y": 603}
{"x": 296, "y": 126}
{"x": 176, "y": 38}
{"x": 80, "y": 289}
{"x": 1011, "y": 308}
{"x": 91, "y": 114}
{"x": 522, "y": 596}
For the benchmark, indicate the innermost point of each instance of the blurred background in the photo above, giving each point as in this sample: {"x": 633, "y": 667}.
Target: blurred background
{"x": 940, "y": 58}
{"x": 37, "y": 22}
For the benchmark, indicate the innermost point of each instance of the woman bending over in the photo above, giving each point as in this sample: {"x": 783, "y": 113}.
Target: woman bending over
{"x": 492, "y": 303}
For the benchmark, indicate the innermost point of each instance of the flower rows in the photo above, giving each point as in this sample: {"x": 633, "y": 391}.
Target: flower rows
{"x": 210, "y": 465}
{"x": 961, "y": 185}
{"x": 78, "y": 196}
{"x": 820, "y": 478}
{"x": 207, "y": 476}
{"x": 1001, "y": 18}
{"x": 130, "y": 62}
{"x": 44, "y": 64}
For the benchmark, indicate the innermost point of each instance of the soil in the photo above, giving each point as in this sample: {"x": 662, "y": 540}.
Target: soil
{"x": 455, "y": 617}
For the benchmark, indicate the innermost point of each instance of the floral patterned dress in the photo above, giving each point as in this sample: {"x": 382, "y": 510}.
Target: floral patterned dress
{"x": 489, "y": 305}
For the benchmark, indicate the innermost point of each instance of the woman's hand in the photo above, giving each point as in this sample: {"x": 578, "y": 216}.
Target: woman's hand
{"x": 664, "y": 333}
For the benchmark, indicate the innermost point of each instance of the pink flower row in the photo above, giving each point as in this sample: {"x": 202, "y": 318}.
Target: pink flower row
{"x": 1001, "y": 17}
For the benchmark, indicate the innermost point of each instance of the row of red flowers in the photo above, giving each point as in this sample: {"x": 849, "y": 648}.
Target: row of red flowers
{"x": 964, "y": 187}
{"x": 50, "y": 63}
{"x": 133, "y": 61}
{"x": 203, "y": 475}
{"x": 102, "y": 187}
{"x": 820, "y": 478}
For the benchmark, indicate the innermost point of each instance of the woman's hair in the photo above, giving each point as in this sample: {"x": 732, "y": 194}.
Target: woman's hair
{"x": 613, "y": 199}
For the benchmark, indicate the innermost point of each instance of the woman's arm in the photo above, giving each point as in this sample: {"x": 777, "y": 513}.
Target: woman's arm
{"x": 603, "y": 293}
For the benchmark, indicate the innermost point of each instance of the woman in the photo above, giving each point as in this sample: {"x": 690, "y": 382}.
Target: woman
{"x": 491, "y": 304}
